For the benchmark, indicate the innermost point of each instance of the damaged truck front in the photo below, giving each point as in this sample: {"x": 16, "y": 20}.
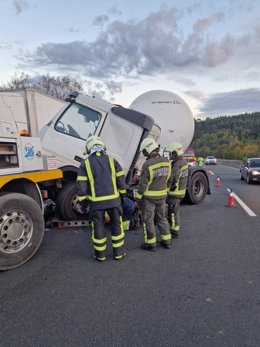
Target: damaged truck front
{"x": 160, "y": 114}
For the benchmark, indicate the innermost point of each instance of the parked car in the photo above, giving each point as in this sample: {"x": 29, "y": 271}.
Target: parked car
{"x": 210, "y": 160}
{"x": 250, "y": 170}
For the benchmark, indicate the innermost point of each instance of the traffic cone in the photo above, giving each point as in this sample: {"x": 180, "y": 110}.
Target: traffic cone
{"x": 218, "y": 182}
{"x": 231, "y": 199}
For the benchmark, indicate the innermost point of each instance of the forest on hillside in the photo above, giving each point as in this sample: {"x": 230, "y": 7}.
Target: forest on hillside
{"x": 228, "y": 137}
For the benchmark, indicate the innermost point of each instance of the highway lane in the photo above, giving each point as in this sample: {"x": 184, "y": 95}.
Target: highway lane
{"x": 204, "y": 291}
{"x": 230, "y": 179}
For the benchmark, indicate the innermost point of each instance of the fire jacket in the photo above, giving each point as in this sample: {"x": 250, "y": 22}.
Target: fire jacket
{"x": 101, "y": 181}
{"x": 179, "y": 179}
{"x": 155, "y": 178}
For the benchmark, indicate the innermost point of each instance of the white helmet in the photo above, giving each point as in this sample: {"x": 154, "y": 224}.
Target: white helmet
{"x": 92, "y": 141}
{"x": 147, "y": 146}
{"x": 174, "y": 147}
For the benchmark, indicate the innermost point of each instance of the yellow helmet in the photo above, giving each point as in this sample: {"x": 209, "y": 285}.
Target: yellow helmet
{"x": 147, "y": 146}
{"x": 92, "y": 141}
{"x": 174, "y": 147}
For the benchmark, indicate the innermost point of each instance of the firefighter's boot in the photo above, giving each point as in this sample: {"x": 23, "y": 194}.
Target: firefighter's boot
{"x": 166, "y": 244}
{"x": 148, "y": 247}
{"x": 99, "y": 258}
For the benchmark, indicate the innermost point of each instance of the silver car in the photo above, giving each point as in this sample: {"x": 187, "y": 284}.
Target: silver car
{"x": 210, "y": 160}
{"x": 250, "y": 170}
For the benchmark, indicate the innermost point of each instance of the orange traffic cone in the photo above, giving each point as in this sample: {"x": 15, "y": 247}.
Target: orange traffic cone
{"x": 218, "y": 182}
{"x": 231, "y": 199}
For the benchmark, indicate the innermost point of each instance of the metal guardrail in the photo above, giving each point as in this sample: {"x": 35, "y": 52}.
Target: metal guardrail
{"x": 233, "y": 163}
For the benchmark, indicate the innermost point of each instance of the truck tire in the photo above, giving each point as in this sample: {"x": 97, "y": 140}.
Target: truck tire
{"x": 197, "y": 188}
{"x": 21, "y": 229}
{"x": 67, "y": 202}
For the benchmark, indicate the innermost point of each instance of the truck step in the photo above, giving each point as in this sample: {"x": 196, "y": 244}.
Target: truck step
{"x": 66, "y": 224}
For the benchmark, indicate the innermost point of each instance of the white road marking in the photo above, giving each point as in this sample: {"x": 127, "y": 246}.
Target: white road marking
{"x": 243, "y": 205}
{"x": 211, "y": 173}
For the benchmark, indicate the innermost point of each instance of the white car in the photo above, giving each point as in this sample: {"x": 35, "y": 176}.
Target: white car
{"x": 210, "y": 160}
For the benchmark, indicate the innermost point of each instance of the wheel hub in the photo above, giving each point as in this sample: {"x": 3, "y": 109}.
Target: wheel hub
{"x": 15, "y": 231}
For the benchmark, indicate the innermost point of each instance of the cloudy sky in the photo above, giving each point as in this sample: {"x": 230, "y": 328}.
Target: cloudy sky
{"x": 205, "y": 51}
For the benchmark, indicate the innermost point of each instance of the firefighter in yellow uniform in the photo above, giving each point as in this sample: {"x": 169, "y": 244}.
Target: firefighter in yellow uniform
{"x": 151, "y": 193}
{"x": 101, "y": 184}
{"x": 178, "y": 185}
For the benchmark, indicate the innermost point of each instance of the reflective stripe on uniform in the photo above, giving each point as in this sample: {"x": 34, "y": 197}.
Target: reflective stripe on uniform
{"x": 118, "y": 237}
{"x": 146, "y": 240}
{"x": 100, "y": 248}
{"x": 113, "y": 175}
{"x": 155, "y": 192}
{"x": 177, "y": 192}
{"x": 119, "y": 244}
{"x": 120, "y": 173}
{"x": 172, "y": 221}
{"x": 99, "y": 241}
{"x": 166, "y": 237}
{"x": 159, "y": 193}
{"x": 81, "y": 198}
{"x": 82, "y": 178}
{"x": 93, "y": 196}
{"x": 151, "y": 241}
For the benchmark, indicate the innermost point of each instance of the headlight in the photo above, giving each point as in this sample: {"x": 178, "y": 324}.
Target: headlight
{"x": 255, "y": 172}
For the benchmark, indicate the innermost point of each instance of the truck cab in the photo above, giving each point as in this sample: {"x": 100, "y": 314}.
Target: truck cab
{"x": 160, "y": 114}
{"x": 121, "y": 129}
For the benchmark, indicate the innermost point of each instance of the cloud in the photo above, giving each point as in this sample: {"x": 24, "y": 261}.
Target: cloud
{"x": 114, "y": 11}
{"x": 105, "y": 89}
{"x": 203, "y": 23}
{"x": 183, "y": 80}
{"x": 196, "y": 94}
{"x": 20, "y": 6}
{"x": 72, "y": 30}
{"x": 153, "y": 45}
{"x": 230, "y": 103}
{"x": 100, "y": 20}
{"x": 6, "y": 45}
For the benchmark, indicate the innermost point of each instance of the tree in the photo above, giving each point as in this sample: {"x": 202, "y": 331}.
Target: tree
{"x": 59, "y": 87}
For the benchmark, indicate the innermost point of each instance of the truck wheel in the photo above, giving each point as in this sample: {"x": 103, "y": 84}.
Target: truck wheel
{"x": 67, "y": 203}
{"x": 197, "y": 189}
{"x": 21, "y": 229}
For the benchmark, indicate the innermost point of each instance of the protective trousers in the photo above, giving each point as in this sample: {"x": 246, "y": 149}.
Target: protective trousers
{"x": 99, "y": 234}
{"x": 155, "y": 210}
{"x": 174, "y": 214}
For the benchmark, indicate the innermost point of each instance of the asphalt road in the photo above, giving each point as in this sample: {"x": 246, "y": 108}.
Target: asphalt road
{"x": 204, "y": 291}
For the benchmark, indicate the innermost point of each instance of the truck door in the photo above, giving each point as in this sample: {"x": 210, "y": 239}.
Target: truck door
{"x": 65, "y": 136}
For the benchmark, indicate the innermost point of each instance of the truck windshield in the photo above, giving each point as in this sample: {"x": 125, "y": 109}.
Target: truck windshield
{"x": 78, "y": 121}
